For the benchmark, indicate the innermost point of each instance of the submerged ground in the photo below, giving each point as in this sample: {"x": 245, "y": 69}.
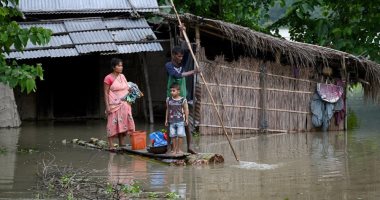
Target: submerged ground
{"x": 334, "y": 165}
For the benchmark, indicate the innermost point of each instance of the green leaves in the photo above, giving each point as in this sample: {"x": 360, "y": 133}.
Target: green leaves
{"x": 243, "y": 12}
{"x": 13, "y": 37}
{"x": 350, "y": 26}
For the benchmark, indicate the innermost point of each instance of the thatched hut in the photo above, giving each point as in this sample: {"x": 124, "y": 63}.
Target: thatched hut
{"x": 264, "y": 83}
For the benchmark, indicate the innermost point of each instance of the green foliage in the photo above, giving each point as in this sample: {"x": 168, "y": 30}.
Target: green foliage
{"x": 109, "y": 188}
{"x": 196, "y": 133}
{"x": 133, "y": 188}
{"x": 172, "y": 195}
{"x": 350, "y": 26}
{"x": 352, "y": 120}
{"x": 27, "y": 150}
{"x": 13, "y": 36}
{"x": 243, "y": 12}
{"x": 70, "y": 196}
{"x": 152, "y": 195}
{"x": 3, "y": 150}
{"x": 65, "y": 180}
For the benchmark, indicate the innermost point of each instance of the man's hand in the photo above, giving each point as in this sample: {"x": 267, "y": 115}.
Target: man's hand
{"x": 197, "y": 70}
{"x": 187, "y": 122}
{"x": 182, "y": 27}
{"x": 166, "y": 123}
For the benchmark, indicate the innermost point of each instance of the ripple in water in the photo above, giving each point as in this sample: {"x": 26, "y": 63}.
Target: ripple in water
{"x": 253, "y": 165}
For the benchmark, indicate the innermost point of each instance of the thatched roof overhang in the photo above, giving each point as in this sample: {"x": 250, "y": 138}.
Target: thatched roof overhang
{"x": 296, "y": 53}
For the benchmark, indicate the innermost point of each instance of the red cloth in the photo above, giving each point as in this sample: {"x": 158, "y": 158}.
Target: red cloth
{"x": 109, "y": 79}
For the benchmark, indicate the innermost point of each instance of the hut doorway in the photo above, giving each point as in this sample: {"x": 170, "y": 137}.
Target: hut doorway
{"x": 70, "y": 87}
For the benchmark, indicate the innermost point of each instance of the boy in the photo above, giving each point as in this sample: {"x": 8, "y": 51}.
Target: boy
{"x": 176, "y": 74}
{"x": 177, "y": 114}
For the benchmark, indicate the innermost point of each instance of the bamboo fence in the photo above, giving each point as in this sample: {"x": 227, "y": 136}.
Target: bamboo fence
{"x": 254, "y": 95}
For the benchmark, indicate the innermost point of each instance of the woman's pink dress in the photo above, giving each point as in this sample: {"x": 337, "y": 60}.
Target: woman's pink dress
{"x": 120, "y": 119}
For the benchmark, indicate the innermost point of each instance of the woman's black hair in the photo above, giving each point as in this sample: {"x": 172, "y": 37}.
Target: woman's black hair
{"x": 114, "y": 62}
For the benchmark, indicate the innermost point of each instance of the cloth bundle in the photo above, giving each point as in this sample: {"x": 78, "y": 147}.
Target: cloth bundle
{"x": 134, "y": 93}
{"x": 325, "y": 102}
{"x": 158, "y": 139}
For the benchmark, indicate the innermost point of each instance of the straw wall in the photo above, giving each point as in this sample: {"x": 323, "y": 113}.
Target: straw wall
{"x": 254, "y": 96}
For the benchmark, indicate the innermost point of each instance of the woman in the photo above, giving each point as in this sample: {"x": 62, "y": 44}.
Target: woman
{"x": 119, "y": 112}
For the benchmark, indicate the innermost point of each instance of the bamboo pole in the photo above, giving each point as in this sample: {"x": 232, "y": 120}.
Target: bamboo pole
{"x": 203, "y": 79}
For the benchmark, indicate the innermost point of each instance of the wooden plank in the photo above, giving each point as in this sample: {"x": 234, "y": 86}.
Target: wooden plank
{"x": 145, "y": 153}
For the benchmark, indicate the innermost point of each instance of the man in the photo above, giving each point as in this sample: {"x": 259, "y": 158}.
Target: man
{"x": 177, "y": 75}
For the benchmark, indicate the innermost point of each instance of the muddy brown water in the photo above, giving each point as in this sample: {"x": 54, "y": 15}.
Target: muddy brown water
{"x": 334, "y": 165}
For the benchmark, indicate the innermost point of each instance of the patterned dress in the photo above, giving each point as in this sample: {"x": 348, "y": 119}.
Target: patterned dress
{"x": 120, "y": 120}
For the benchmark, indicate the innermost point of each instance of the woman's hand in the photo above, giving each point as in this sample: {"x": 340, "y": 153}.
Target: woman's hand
{"x": 107, "y": 111}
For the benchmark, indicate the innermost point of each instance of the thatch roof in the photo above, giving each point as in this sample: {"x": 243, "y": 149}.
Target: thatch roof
{"x": 298, "y": 54}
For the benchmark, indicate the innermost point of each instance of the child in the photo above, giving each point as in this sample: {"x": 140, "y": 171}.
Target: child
{"x": 177, "y": 114}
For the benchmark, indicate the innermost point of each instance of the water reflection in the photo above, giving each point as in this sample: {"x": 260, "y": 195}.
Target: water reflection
{"x": 124, "y": 170}
{"x": 8, "y": 142}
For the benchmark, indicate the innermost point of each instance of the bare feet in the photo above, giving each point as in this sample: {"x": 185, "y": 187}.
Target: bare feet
{"x": 179, "y": 152}
{"x": 191, "y": 151}
{"x": 170, "y": 152}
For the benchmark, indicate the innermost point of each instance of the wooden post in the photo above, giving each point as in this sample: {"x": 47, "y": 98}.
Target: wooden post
{"x": 149, "y": 95}
{"x": 171, "y": 38}
{"x": 197, "y": 40}
{"x": 145, "y": 107}
{"x": 345, "y": 79}
{"x": 345, "y": 101}
{"x": 263, "y": 123}
{"x": 195, "y": 77}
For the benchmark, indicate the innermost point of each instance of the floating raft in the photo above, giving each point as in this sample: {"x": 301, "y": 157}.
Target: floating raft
{"x": 180, "y": 160}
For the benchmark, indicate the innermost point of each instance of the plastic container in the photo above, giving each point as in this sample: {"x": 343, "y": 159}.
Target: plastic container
{"x": 138, "y": 140}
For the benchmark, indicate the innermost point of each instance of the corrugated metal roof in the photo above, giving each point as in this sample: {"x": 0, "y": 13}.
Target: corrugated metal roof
{"x": 53, "y": 53}
{"x": 91, "y": 37}
{"x": 88, "y": 48}
{"x": 57, "y": 27}
{"x": 132, "y": 35}
{"x": 126, "y": 23}
{"x": 144, "y": 3}
{"x": 55, "y": 41}
{"x": 84, "y": 24}
{"x": 85, "y": 6}
{"x": 134, "y": 48}
{"x": 75, "y": 37}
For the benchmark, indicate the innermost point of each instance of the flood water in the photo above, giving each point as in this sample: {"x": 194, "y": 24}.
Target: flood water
{"x": 334, "y": 165}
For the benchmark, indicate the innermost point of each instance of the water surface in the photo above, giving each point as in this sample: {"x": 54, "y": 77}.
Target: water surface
{"x": 334, "y": 165}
